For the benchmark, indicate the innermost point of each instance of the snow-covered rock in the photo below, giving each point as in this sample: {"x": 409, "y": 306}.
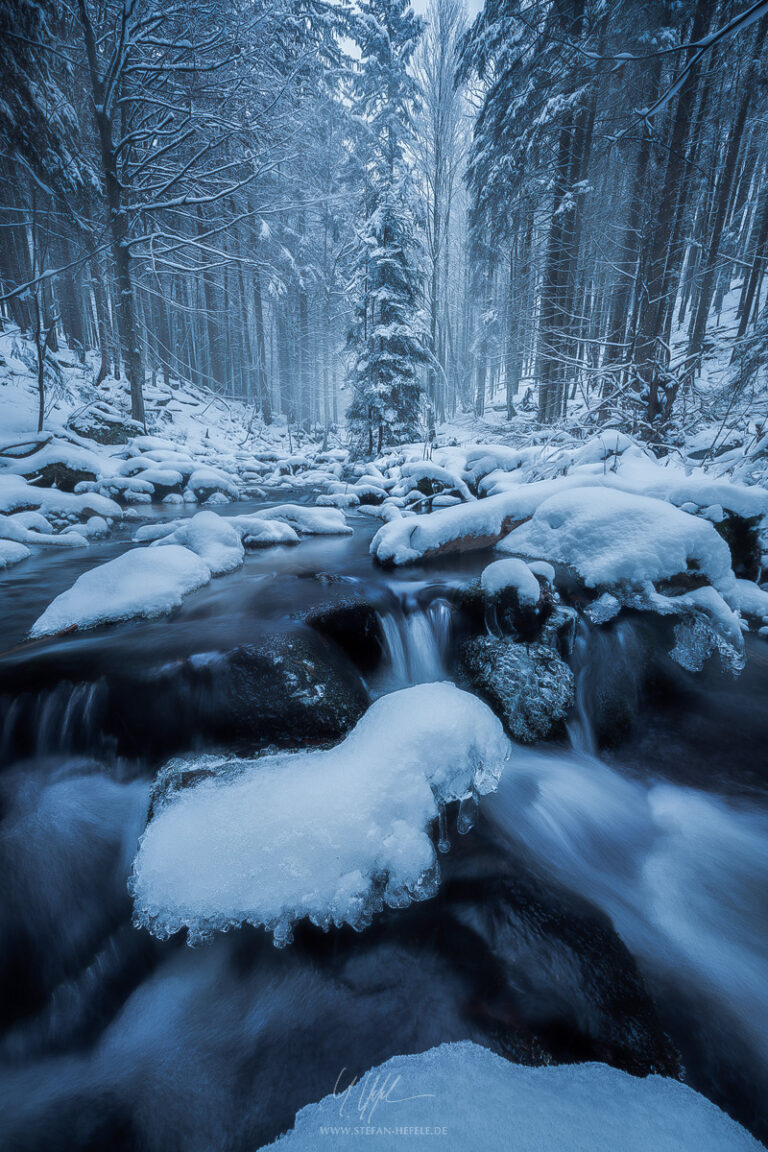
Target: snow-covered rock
{"x": 751, "y": 600}
{"x": 511, "y": 575}
{"x": 210, "y": 537}
{"x": 16, "y": 494}
{"x": 11, "y": 552}
{"x": 463, "y": 1096}
{"x": 619, "y": 539}
{"x": 143, "y": 582}
{"x": 303, "y": 519}
{"x": 330, "y": 835}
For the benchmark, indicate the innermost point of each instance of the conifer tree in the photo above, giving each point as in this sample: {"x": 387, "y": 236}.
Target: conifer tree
{"x": 388, "y": 338}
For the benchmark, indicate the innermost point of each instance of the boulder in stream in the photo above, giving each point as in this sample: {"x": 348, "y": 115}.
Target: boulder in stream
{"x": 528, "y": 685}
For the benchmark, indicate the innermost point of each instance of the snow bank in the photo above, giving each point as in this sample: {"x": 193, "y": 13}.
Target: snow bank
{"x": 143, "y": 582}
{"x": 330, "y": 835}
{"x": 466, "y": 1097}
{"x": 16, "y": 494}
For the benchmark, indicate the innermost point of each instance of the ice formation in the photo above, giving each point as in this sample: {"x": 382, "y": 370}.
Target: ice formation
{"x": 329, "y": 835}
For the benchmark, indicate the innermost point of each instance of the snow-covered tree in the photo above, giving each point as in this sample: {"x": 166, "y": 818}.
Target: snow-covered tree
{"x": 388, "y": 338}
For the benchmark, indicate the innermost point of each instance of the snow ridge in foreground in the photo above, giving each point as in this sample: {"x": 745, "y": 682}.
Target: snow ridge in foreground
{"x": 333, "y": 836}
{"x": 470, "y": 1098}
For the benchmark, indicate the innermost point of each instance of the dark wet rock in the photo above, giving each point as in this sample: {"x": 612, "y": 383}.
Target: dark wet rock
{"x": 288, "y": 689}
{"x": 353, "y": 624}
{"x": 742, "y": 535}
{"x": 528, "y": 685}
{"x": 62, "y": 475}
{"x": 503, "y": 614}
{"x": 104, "y": 424}
{"x": 560, "y": 985}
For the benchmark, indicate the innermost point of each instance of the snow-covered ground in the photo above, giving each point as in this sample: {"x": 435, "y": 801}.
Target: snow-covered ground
{"x": 461, "y": 1096}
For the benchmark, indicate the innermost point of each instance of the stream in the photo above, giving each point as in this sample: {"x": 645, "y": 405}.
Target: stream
{"x": 610, "y": 904}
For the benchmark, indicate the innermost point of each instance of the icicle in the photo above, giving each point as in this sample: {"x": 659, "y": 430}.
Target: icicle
{"x": 443, "y": 843}
{"x": 467, "y": 817}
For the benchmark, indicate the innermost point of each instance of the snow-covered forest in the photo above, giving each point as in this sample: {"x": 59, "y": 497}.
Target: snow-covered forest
{"x": 384, "y": 575}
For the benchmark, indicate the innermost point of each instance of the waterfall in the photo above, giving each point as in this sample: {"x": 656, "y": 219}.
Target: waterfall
{"x": 608, "y": 666}
{"x": 63, "y": 719}
{"x": 416, "y": 642}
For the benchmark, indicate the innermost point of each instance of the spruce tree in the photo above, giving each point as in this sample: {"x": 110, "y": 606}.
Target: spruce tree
{"x": 388, "y": 338}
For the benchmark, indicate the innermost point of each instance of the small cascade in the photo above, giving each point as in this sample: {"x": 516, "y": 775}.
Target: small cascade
{"x": 65, "y": 719}
{"x": 608, "y": 666}
{"x": 417, "y": 641}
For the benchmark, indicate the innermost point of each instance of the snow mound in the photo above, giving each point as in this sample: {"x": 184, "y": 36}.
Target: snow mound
{"x": 329, "y": 835}
{"x": 469, "y": 1097}
{"x": 502, "y": 575}
{"x": 143, "y": 582}
{"x": 616, "y": 538}
{"x": 11, "y": 552}
{"x": 306, "y": 521}
{"x": 210, "y": 537}
{"x": 631, "y": 547}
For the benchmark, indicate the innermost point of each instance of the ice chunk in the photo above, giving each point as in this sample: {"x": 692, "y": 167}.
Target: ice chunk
{"x": 330, "y": 835}
{"x": 507, "y": 574}
{"x": 143, "y": 582}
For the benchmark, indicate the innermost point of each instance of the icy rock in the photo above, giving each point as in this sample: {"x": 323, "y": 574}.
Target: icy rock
{"x": 529, "y": 685}
{"x": 332, "y": 836}
{"x": 143, "y": 582}
{"x": 473, "y": 1098}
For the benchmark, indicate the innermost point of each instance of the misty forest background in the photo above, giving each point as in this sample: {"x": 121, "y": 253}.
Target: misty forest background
{"x": 557, "y": 208}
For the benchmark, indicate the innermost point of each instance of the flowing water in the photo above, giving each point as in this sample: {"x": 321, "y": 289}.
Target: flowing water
{"x": 109, "y": 1038}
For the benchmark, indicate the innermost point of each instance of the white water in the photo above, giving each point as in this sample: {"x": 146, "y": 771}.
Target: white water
{"x": 416, "y": 643}
{"x": 682, "y": 874}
